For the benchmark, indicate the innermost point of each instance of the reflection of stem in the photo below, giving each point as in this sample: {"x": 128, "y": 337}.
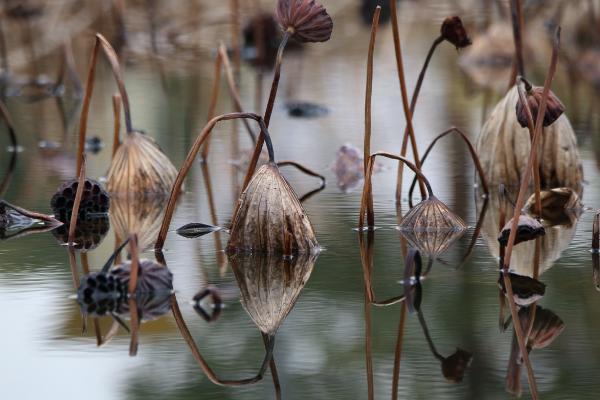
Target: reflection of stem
{"x": 405, "y": 105}
{"x": 116, "y": 100}
{"x": 413, "y": 106}
{"x": 596, "y": 232}
{"x": 368, "y": 348}
{"x": 273, "y": 369}
{"x": 135, "y": 264}
{"x": 221, "y": 260}
{"x": 187, "y": 336}
{"x": 398, "y": 351}
{"x": 476, "y": 233}
{"x": 76, "y": 203}
{"x": 135, "y": 325}
{"x": 428, "y": 336}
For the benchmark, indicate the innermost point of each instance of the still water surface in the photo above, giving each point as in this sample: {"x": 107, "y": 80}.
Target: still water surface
{"x": 322, "y": 346}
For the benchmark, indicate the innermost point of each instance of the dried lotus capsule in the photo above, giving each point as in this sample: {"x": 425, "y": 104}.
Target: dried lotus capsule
{"x": 527, "y": 229}
{"x": 270, "y": 218}
{"x": 152, "y": 277}
{"x": 95, "y": 200}
{"x": 455, "y": 365}
{"x": 306, "y": 20}
{"x": 554, "y": 107}
{"x": 432, "y": 215}
{"x": 454, "y": 32}
{"x": 89, "y": 233}
{"x": 139, "y": 167}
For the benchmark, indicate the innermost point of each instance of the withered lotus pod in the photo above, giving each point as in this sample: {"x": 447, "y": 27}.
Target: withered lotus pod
{"x": 455, "y": 365}
{"x": 526, "y": 290}
{"x": 152, "y": 277}
{"x": 136, "y": 214}
{"x": 547, "y": 326}
{"x": 454, "y": 32}
{"x": 560, "y": 206}
{"x": 432, "y": 215}
{"x": 95, "y": 200}
{"x": 554, "y": 107}
{"x": 270, "y": 285}
{"x": 503, "y": 147}
{"x": 528, "y": 229}
{"x": 139, "y": 167}
{"x": 432, "y": 243}
{"x": 270, "y": 217}
{"x": 89, "y": 233}
{"x": 306, "y": 20}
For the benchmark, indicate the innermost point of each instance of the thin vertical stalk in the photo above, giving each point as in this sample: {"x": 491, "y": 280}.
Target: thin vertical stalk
{"x": 405, "y": 105}
{"x": 398, "y": 351}
{"x": 76, "y": 204}
{"x": 413, "y": 106}
{"x": 516, "y": 14}
{"x": 369, "y": 88}
{"x": 235, "y": 35}
{"x": 116, "y": 101}
{"x": 268, "y": 110}
{"x": 596, "y": 232}
{"x": 369, "y": 349}
{"x": 212, "y": 105}
{"x": 135, "y": 264}
{"x": 13, "y": 142}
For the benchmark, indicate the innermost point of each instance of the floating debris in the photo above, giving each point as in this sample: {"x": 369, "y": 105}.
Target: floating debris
{"x": 196, "y": 229}
{"x": 303, "y": 109}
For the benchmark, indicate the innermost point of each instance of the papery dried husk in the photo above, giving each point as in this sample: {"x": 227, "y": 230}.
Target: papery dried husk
{"x": 308, "y": 20}
{"x": 553, "y": 243}
{"x": 270, "y": 285}
{"x": 431, "y": 215}
{"x": 141, "y": 215}
{"x": 528, "y": 228}
{"x": 89, "y": 233}
{"x": 554, "y": 107}
{"x": 547, "y": 326}
{"x": 140, "y": 168}
{"x": 152, "y": 277}
{"x": 503, "y": 147}
{"x": 560, "y": 206}
{"x": 432, "y": 243}
{"x": 270, "y": 218}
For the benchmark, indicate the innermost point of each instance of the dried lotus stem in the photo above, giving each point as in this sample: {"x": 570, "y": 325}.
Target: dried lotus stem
{"x": 133, "y": 275}
{"x": 369, "y": 88}
{"x": 189, "y": 161}
{"x": 109, "y": 52}
{"x": 47, "y": 219}
{"x": 530, "y": 125}
{"x": 13, "y": 142}
{"x": 516, "y": 13}
{"x": 77, "y": 203}
{"x": 304, "y": 169}
{"x": 187, "y": 336}
{"x": 405, "y": 105}
{"x": 596, "y": 232}
{"x": 366, "y": 205}
{"x": 116, "y": 100}
{"x": 472, "y": 151}
{"x": 519, "y": 205}
{"x": 222, "y": 61}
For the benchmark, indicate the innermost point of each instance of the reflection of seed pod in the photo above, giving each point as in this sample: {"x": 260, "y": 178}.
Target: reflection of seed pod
{"x": 432, "y": 243}
{"x": 307, "y": 20}
{"x": 431, "y": 215}
{"x": 140, "y": 167}
{"x": 455, "y": 365}
{"x": 270, "y": 218}
{"x": 152, "y": 277}
{"x": 527, "y": 229}
{"x": 526, "y": 290}
{"x": 560, "y": 206}
{"x": 270, "y": 285}
{"x": 89, "y": 233}
{"x": 141, "y": 215}
{"x": 149, "y": 306}
{"x": 100, "y": 293}
{"x": 503, "y": 147}
{"x": 547, "y": 326}
{"x": 95, "y": 200}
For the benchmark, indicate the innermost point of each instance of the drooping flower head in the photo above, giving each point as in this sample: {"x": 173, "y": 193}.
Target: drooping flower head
{"x": 307, "y": 20}
{"x": 454, "y": 32}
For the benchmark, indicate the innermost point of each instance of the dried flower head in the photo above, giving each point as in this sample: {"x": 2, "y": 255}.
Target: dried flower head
{"x": 95, "y": 200}
{"x": 454, "y": 32}
{"x": 554, "y": 107}
{"x": 270, "y": 218}
{"x": 306, "y": 20}
{"x": 432, "y": 215}
{"x": 89, "y": 233}
{"x": 527, "y": 229}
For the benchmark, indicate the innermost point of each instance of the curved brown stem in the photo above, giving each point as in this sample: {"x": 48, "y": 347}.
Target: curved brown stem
{"x": 189, "y": 161}
{"x": 366, "y": 205}
{"x": 472, "y": 151}
{"x": 76, "y": 204}
{"x": 428, "y": 336}
{"x": 405, "y": 105}
{"x": 187, "y": 336}
{"x": 13, "y": 142}
{"x": 47, "y": 219}
{"x": 413, "y": 106}
{"x": 307, "y": 171}
{"x": 268, "y": 111}
{"x": 111, "y": 56}
{"x": 116, "y": 100}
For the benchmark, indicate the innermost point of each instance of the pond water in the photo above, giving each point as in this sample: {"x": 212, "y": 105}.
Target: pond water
{"x": 333, "y": 344}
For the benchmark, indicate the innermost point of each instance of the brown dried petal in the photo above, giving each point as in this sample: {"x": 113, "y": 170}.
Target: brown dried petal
{"x": 546, "y": 327}
{"x": 554, "y": 107}
{"x": 527, "y": 229}
{"x": 307, "y": 20}
{"x": 270, "y": 218}
{"x": 454, "y": 366}
{"x": 432, "y": 215}
{"x": 454, "y": 32}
